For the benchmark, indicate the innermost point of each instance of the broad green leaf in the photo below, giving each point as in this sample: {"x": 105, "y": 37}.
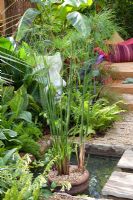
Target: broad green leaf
{"x": 80, "y": 23}
{"x": 2, "y": 135}
{"x": 77, "y": 3}
{"x": 5, "y": 43}
{"x": 7, "y": 94}
{"x": 26, "y": 116}
{"x": 1, "y": 146}
{"x": 16, "y": 141}
{"x": 12, "y": 133}
{"x": 9, "y": 155}
{"x": 25, "y": 22}
{"x": 19, "y": 102}
{"x": 1, "y": 162}
{"x": 25, "y": 53}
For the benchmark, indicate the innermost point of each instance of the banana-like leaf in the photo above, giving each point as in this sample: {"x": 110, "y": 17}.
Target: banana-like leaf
{"x": 80, "y": 23}
{"x": 26, "y": 22}
{"x": 78, "y": 3}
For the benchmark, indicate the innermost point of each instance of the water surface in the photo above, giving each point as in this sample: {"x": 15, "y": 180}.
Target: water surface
{"x": 100, "y": 169}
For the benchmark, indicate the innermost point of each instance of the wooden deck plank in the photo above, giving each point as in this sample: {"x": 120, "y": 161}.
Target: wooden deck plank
{"x": 119, "y": 185}
{"x": 122, "y": 70}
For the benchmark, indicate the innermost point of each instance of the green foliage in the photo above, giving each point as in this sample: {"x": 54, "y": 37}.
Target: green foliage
{"x": 17, "y": 128}
{"x": 80, "y": 23}
{"x": 123, "y": 10}
{"x": 4, "y": 160}
{"x": 26, "y": 22}
{"x": 19, "y": 102}
{"x": 98, "y": 115}
{"x": 17, "y": 181}
{"x": 102, "y": 115}
{"x": 29, "y": 145}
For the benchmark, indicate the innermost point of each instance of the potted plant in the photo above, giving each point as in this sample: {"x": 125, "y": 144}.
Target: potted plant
{"x": 58, "y": 114}
{"x": 59, "y": 118}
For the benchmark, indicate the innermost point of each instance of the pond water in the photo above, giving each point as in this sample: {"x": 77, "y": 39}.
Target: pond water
{"x": 100, "y": 169}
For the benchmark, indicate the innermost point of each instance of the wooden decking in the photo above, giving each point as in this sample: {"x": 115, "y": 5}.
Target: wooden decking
{"x": 119, "y": 72}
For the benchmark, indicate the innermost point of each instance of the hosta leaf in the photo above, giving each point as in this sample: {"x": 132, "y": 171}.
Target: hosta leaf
{"x": 16, "y": 141}
{"x": 26, "y": 116}
{"x": 2, "y": 135}
{"x": 12, "y": 133}
{"x": 80, "y": 23}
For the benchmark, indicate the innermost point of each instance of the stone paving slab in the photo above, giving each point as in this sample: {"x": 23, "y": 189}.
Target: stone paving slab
{"x": 121, "y": 134}
{"x": 126, "y": 161}
{"x": 102, "y": 149}
{"x": 120, "y": 185}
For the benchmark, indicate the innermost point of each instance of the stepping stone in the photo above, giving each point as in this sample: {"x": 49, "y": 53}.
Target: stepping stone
{"x": 119, "y": 186}
{"x": 126, "y": 161}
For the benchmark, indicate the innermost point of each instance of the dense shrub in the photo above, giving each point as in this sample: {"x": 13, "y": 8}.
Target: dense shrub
{"x": 124, "y": 12}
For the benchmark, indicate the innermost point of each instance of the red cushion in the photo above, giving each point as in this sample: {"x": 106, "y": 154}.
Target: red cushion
{"x": 122, "y": 52}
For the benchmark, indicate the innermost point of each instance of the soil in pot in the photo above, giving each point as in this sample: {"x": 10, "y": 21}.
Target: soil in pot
{"x": 79, "y": 180}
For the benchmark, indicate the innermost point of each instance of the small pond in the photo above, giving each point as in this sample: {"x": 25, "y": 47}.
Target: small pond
{"x": 100, "y": 169}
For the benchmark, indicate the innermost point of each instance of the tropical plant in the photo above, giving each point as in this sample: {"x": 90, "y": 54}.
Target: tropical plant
{"x": 50, "y": 16}
{"x": 17, "y": 127}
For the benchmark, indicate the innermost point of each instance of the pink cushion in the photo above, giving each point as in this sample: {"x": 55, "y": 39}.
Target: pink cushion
{"x": 127, "y": 42}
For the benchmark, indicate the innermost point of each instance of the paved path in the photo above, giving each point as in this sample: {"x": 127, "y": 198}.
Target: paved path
{"x": 120, "y": 183}
{"x": 120, "y": 134}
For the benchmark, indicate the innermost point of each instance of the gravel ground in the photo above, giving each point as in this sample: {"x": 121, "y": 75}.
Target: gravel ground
{"x": 64, "y": 196}
{"x": 120, "y": 134}
{"x": 75, "y": 176}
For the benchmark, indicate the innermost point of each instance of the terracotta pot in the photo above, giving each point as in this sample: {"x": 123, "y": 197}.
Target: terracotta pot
{"x": 79, "y": 181}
